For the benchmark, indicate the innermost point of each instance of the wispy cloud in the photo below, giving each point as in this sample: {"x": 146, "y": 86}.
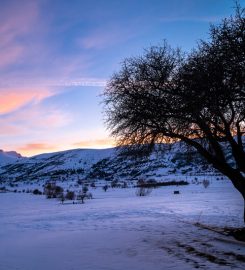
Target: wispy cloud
{"x": 81, "y": 82}
{"x": 98, "y": 40}
{"x": 8, "y": 129}
{"x": 105, "y": 37}
{"x": 34, "y": 148}
{"x": 49, "y": 84}
{"x": 33, "y": 119}
{"x": 206, "y": 19}
{"x": 29, "y": 54}
{"x": 8, "y": 55}
{"x": 13, "y": 99}
{"x": 16, "y": 21}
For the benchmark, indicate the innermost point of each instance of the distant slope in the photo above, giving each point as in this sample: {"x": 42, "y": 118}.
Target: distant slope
{"x": 104, "y": 164}
{"x": 9, "y": 157}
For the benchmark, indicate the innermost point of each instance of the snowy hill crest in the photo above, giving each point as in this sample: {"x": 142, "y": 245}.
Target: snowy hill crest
{"x": 9, "y": 157}
{"x": 105, "y": 164}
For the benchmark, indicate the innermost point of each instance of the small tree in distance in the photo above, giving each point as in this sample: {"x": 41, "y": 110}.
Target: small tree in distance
{"x": 70, "y": 195}
{"x": 105, "y": 187}
{"x": 163, "y": 96}
{"x": 205, "y": 183}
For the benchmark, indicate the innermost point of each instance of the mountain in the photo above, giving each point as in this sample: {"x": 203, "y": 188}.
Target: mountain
{"x": 107, "y": 164}
{"x": 9, "y": 157}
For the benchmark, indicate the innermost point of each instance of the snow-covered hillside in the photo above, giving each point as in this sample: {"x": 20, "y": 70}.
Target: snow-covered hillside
{"x": 107, "y": 164}
{"x": 9, "y": 157}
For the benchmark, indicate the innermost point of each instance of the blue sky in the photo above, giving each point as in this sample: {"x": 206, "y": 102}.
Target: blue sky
{"x": 56, "y": 56}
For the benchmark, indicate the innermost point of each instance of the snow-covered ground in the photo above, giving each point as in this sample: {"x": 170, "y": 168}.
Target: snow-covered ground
{"x": 118, "y": 230}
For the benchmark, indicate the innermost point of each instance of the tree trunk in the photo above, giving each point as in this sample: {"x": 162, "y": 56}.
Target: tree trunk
{"x": 240, "y": 186}
{"x": 244, "y": 212}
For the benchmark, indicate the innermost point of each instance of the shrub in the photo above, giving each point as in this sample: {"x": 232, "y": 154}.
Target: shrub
{"x": 37, "y": 192}
{"x": 206, "y": 183}
{"x": 51, "y": 190}
{"x": 105, "y": 187}
{"x": 81, "y": 196}
{"x": 114, "y": 184}
{"x": 70, "y": 195}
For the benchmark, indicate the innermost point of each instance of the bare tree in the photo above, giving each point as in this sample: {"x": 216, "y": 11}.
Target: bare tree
{"x": 163, "y": 96}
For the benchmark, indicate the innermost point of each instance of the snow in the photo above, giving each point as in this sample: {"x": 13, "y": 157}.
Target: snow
{"x": 118, "y": 230}
{"x": 9, "y": 157}
{"x": 106, "y": 164}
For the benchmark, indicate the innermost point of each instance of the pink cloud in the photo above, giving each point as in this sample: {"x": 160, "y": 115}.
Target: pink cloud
{"x": 9, "y": 55}
{"x": 8, "y": 129}
{"x": 22, "y": 112}
{"x": 44, "y": 119}
{"x": 35, "y": 118}
{"x": 13, "y": 99}
{"x": 35, "y": 148}
{"x": 16, "y": 21}
{"x": 25, "y": 42}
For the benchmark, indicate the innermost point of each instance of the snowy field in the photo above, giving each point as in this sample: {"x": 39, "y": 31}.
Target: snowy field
{"x": 118, "y": 230}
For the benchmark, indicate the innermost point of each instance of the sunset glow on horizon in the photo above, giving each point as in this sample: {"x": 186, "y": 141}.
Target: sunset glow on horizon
{"x": 32, "y": 149}
{"x": 56, "y": 57}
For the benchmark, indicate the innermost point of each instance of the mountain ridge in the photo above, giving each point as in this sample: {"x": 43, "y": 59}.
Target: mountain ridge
{"x": 9, "y": 156}
{"x": 107, "y": 164}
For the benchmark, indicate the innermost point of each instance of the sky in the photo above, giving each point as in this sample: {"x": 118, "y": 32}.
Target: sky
{"x": 56, "y": 57}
